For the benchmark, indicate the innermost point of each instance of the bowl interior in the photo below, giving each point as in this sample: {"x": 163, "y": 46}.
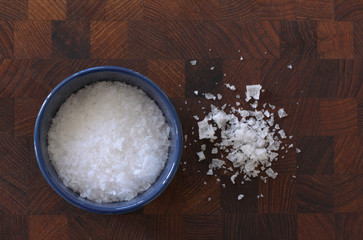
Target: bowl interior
{"x": 73, "y": 84}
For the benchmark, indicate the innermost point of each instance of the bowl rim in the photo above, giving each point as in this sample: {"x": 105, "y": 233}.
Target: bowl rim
{"x": 102, "y": 209}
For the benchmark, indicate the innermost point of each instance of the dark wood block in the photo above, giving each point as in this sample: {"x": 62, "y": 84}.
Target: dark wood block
{"x": 7, "y": 38}
{"x": 32, "y": 39}
{"x": 108, "y": 40}
{"x": 200, "y": 198}
{"x": 335, "y": 39}
{"x": 165, "y": 227}
{"x": 358, "y": 39}
{"x": 277, "y": 226}
{"x": 124, "y": 10}
{"x": 14, "y": 227}
{"x": 348, "y": 193}
{"x": 348, "y": 226}
{"x": 360, "y": 116}
{"x": 186, "y": 40}
{"x": 316, "y": 156}
{"x": 127, "y": 226}
{"x": 260, "y": 40}
{"x": 223, "y": 39}
{"x": 234, "y": 10}
{"x": 47, "y": 10}
{"x": 165, "y": 10}
{"x": 203, "y": 227}
{"x": 348, "y": 153}
{"x": 205, "y": 76}
{"x": 319, "y": 10}
{"x": 7, "y": 116}
{"x": 14, "y": 171}
{"x": 13, "y": 9}
{"x": 338, "y": 117}
{"x": 26, "y": 111}
{"x": 70, "y": 39}
{"x": 200, "y": 10}
{"x": 348, "y": 10}
{"x": 298, "y": 39}
{"x": 16, "y": 78}
{"x": 86, "y": 10}
{"x": 147, "y": 39}
{"x": 229, "y": 195}
{"x": 279, "y": 195}
{"x": 240, "y": 226}
{"x": 242, "y": 73}
{"x": 277, "y": 9}
{"x": 319, "y": 225}
{"x": 87, "y": 227}
{"x": 315, "y": 193}
{"x": 48, "y": 227}
{"x": 351, "y": 73}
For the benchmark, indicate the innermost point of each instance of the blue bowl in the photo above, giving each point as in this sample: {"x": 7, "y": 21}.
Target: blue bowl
{"x": 71, "y": 85}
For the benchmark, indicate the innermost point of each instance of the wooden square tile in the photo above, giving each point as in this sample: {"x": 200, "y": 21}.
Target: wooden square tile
{"x": 86, "y": 10}
{"x": 48, "y": 227}
{"x": 205, "y": 76}
{"x": 242, "y": 73}
{"x": 13, "y": 9}
{"x": 47, "y": 10}
{"x": 351, "y": 74}
{"x": 71, "y": 40}
{"x": 358, "y": 39}
{"x": 348, "y": 226}
{"x": 348, "y": 193}
{"x": 223, "y": 39}
{"x": 203, "y": 227}
{"x": 165, "y": 227}
{"x": 277, "y": 9}
{"x": 315, "y": 194}
{"x": 186, "y": 40}
{"x": 124, "y": 226}
{"x": 348, "y": 153}
{"x": 15, "y": 78}
{"x": 108, "y": 39}
{"x": 277, "y": 226}
{"x": 6, "y": 39}
{"x": 229, "y": 195}
{"x": 87, "y": 226}
{"x": 26, "y": 111}
{"x": 335, "y": 39}
{"x": 32, "y": 39}
{"x": 14, "y": 227}
{"x": 240, "y": 226}
{"x": 147, "y": 40}
{"x": 316, "y": 156}
{"x": 348, "y": 10}
{"x": 163, "y": 10}
{"x": 338, "y": 117}
{"x": 234, "y": 10}
{"x": 311, "y": 9}
{"x": 200, "y": 10}
{"x": 6, "y": 116}
{"x": 168, "y": 74}
{"x": 279, "y": 195}
{"x": 260, "y": 40}
{"x": 124, "y": 10}
{"x": 360, "y": 116}
{"x": 298, "y": 39}
{"x": 319, "y": 224}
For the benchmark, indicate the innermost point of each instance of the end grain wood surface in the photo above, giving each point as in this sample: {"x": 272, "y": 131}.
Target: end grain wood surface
{"x": 44, "y": 41}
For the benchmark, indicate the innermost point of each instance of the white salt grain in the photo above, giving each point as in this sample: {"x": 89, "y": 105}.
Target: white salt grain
{"x": 240, "y": 196}
{"x": 193, "y": 62}
{"x": 210, "y": 96}
{"x": 109, "y": 142}
{"x": 282, "y": 113}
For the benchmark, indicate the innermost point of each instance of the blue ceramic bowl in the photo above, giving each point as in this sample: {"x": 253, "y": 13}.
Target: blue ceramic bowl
{"x": 72, "y": 84}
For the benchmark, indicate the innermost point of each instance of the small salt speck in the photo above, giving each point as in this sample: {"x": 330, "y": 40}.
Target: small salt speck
{"x": 209, "y": 49}
{"x": 241, "y": 58}
{"x": 240, "y": 196}
{"x": 298, "y": 150}
{"x": 290, "y": 137}
{"x": 223, "y": 185}
{"x": 186, "y": 102}
{"x": 265, "y": 53}
{"x": 291, "y": 145}
{"x": 218, "y": 180}
{"x": 209, "y": 199}
{"x": 196, "y": 92}
{"x": 193, "y": 62}
{"x": 238, "y": 103}
{"x": 199, "y": 101}
{"x": 212, "y": 68}
{"x": 219, "y": 96}
{"x": 185, "y": 146}
{"x": 293, "y": 176}
{"x": 205, "y": 183}
{"x": 196, "y": 117}
{"x": 185, "y": 163}
{"x": 224, "y": 74}
{"x": 289, "y": 66}
{"x": 238, "y": 96}
{"x": 297, "y": 166}
{"x": 297, "y": 103}
{"x": 239, "y": 50}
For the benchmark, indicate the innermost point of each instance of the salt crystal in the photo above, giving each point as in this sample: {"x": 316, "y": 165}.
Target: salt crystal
{"x": 212, "y": 68}
{"x": 210, "y": 96}
{"x": 209, "y": 199}
{"x": 201, "y": 156}
{"x": 214, "y": 150}
{"x": 203, "y": 147}
{"x": 196, "y": 92}
{"x": 193, "y": 62}
{"x": 240, "y": 196}
{"x": 232, "y": 87}
{"x": 289, "y": 66}
{"x": 241, "y": 58}
{"x": 298, "y": 150}
{"x": 196, "y": 117}
{"x": 281, "y": 112}
{"x": 253, "y": 91}
{"x": 219, "y": 96}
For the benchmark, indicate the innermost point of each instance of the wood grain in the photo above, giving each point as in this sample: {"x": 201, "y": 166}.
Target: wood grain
{"x": 318, "y": 192}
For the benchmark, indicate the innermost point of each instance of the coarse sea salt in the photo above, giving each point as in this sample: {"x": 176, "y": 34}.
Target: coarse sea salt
{"x": 109, "y": 142}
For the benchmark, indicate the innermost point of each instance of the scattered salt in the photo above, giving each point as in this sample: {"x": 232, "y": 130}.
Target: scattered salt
{"x": 240, "y": 196}
{"x": 210, "y": 96}
{"x": 193, "y": 62}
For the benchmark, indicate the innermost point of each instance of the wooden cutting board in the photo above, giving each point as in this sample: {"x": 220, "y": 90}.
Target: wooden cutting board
{"x": 44, "y": 41}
